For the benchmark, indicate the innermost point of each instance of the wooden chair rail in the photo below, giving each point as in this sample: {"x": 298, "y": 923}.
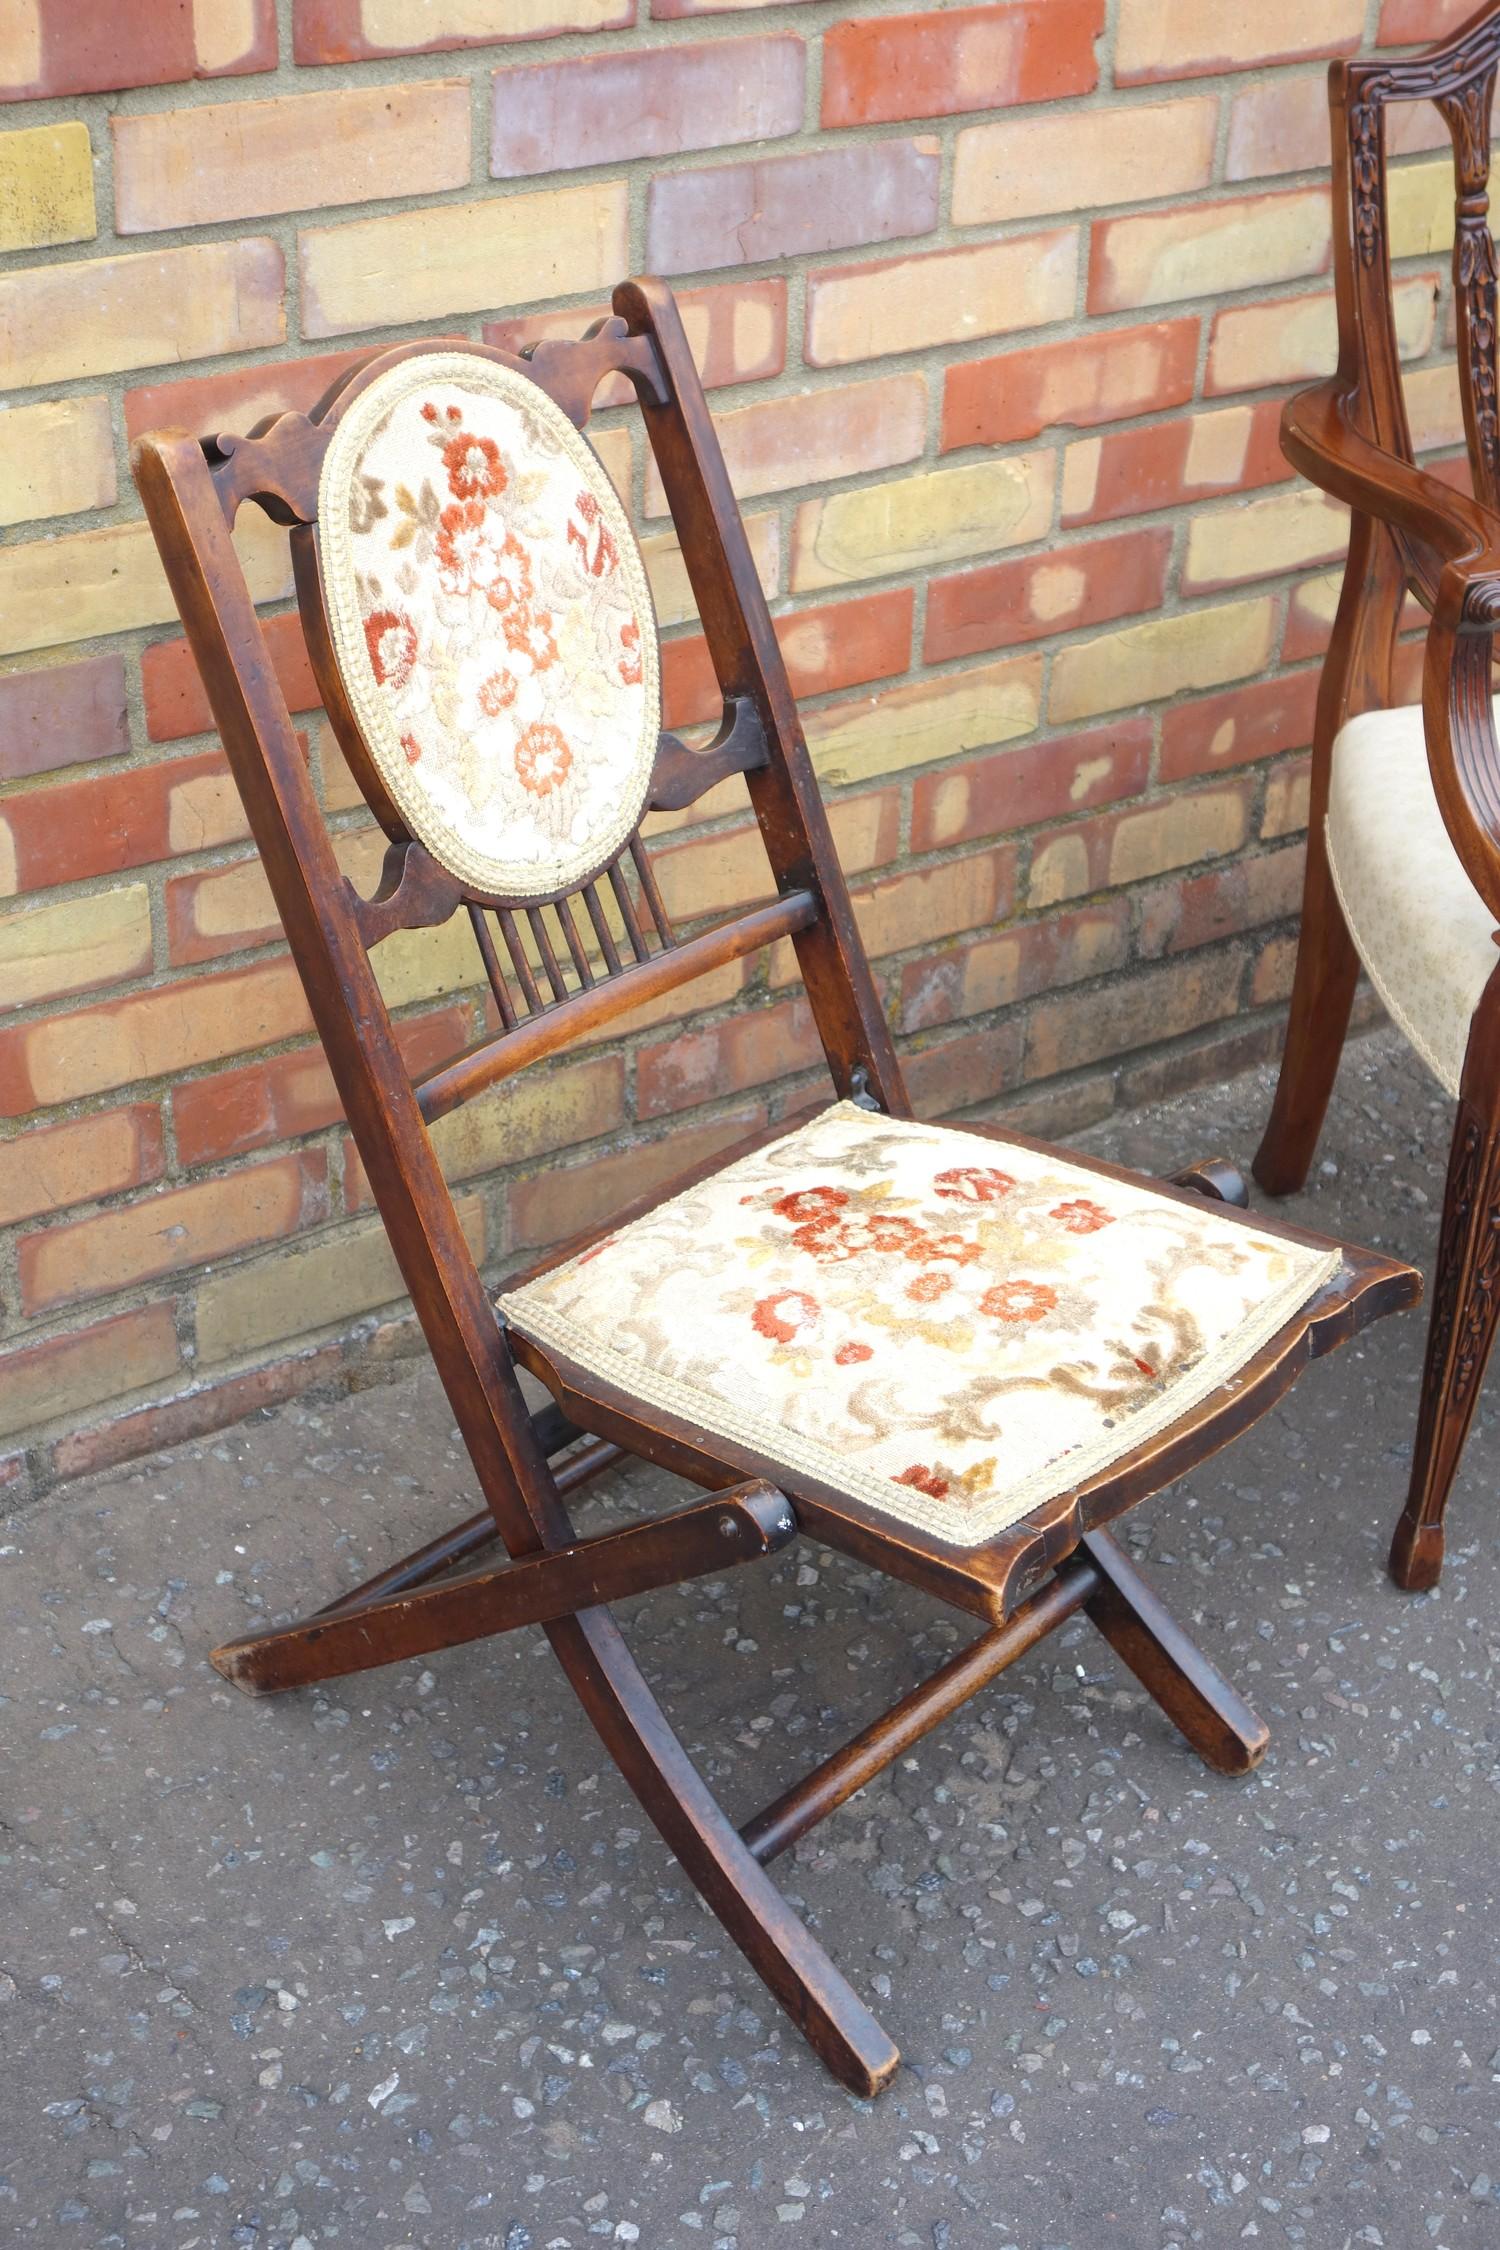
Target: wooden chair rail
{"x": 741, "y": 1525}
{"x": 558, "y": 1026}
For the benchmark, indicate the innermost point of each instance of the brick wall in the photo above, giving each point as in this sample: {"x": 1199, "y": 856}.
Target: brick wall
{"x": 996, "y": 305}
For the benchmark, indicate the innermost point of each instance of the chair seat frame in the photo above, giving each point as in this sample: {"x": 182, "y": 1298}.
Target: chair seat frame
{"x": 1022, "y": 1585}
{"x": 1411, "y": 534}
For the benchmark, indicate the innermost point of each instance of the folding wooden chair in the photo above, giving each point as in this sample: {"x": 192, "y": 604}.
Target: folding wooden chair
{"x": 953, "y": 1354}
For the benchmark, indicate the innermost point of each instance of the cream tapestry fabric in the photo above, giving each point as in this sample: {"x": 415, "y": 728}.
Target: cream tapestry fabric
{"x": 492, "y": 623}
{"x": 949, "y": 1329}
{"x": 1421, "y": 929}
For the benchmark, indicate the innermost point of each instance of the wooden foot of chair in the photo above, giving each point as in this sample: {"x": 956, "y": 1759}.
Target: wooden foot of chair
{"x": 1460, "y": 1334}
{"x": 1144, "y": 1634}
{"x": 712, "y": 1534}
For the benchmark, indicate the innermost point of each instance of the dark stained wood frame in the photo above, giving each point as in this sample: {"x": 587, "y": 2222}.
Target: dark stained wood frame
{"x": 1409, "y": 532}
{"x": 1024, "y": 1583}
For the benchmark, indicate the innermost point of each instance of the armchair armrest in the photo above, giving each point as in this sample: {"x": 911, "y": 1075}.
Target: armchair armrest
{"x": 1451, "y": 547}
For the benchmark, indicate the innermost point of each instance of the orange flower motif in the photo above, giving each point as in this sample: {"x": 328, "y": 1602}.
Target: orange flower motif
{"x": 1019, "y": 1301}
{"x": 510, "y": 588}
{"x": 412, "y": 747}
{"x": 543, "y": 758}
{"x": 926, "y": 1480}
{"x": 391, "y": 639}
{"x": 630, "y": 659}
{"x": 475, "y": 469}
{"x": 814, "y": 1203}
{"x": 1081, "y": 1216}
{"x": 604, "y": 555}
{"x": 529, "y": 632}
{"x": 467, "y": 557}
{"x": 497, "y": 694}
{"x": 973, "y": 1183}
{"x": 850, "y": 1355}
{"x": 783, "y": 1317}
{"x": 928, "y": 1287}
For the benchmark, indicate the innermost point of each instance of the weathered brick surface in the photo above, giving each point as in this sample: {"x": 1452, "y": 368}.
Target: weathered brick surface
{"x": 925, "y": 65}
{"x": 998, "y": 303}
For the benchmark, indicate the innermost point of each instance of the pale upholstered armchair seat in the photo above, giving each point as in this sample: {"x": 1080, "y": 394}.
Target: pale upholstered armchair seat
{"x": 1423, "y": 932}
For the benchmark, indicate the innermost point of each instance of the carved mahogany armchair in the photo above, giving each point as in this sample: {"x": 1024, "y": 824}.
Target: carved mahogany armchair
{"x": 952, "y": 1354}
{"x": 1403, "y": 859}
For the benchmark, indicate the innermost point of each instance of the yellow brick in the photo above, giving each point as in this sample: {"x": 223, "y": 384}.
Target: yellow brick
{"x": 1025, "y": 167}
{"x": 667, "y": 572}
{"x": 1419, "y": 208}
{"x": 1142, "y": 663}
{"x": 72, "y": 1373}
{"x": 914, "y": 523}
{"x": 197, "y": 166}
{"x": 717, "y": 874}
{"x": 56, "y": 457}
{"x": 388, "y": 23}
{"x": 1287, "y": 802}
{"x": 1161, "y": 38}
{"x": 937, "y": 902}
{"x": 59, "y": 323}
{"x": 156, "y": 1034}
{"x": 1294, "y": 339}
{"x": 531, "y": 1116}
{"x": 69, "y": 944}
{"x": 931, "y": 719}
{"x": 1175, "y": 834}
{"x": 949, "y": 297}
{"x": 46, "y": 187}
{"x": 1158, "y": 257}
{"x": 1434, "y": 407}
{"x": 88, "y": 582}
{"x": 462, "y": 257}
{"x": 335, "y": 1277}
{"x": 1259, "y": 538}
{"x": 1318, "y": 598}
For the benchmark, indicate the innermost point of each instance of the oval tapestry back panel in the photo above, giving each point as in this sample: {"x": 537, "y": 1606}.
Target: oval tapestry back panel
{"x": 492, "y": 623}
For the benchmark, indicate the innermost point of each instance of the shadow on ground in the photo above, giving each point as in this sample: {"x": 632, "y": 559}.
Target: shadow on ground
{"x": 403, "y": 1964}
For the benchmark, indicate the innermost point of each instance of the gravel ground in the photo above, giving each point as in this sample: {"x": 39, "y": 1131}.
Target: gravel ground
{"x": 402, "y": 1964}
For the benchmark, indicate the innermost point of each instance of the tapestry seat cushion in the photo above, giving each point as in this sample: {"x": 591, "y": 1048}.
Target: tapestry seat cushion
{"x": 948, "y": 1329}
{"x": 1422, "y": 930}
{"x": 491, "y": 621}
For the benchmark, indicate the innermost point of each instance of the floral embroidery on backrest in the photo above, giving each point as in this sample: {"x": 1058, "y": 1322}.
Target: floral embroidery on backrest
{"x": 492, "y": 623}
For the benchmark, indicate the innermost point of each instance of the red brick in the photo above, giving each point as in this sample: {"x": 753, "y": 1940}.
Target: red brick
{"x": 162, "y": 1233}
{"x": 1201, "y": 909}
{"x": 737, "y": 331}
{"x": 836, "y": 645}
{"x": 654, "y": 101}
{"x": 89, "y": 1157}
{"x": 235, "y": 399}
{"x": 1190, "y": 38}
{"x": 956, "y": 1074}
{"x": 1036, "y": 596}
{"x": 79, "y": 828}
{"x": 68, "y": 1374}
{"x": 149, "y": 1035}
{"x": 750, "y": 1049}
{"x": 1166, "y": 464}
{"x": 997, "y": 970}
{"x": 1014, "y": 789}
{"x": 1411, "y": 23}
{"x": 881, "y": 68}
{"x": 62, "y": 715}
{"x": 1105, "y": 377}
{"x": 825, "y": 199}
{"x": 258, "y": 1103}
{"x": 1259, "y": 720}
{"x": 813, "y": 437}
{"x": 196, "y": 1413}
{"x": 176, "y": 703}
{"x": 337, "y": 31}
{"x": 97, "y": 46}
